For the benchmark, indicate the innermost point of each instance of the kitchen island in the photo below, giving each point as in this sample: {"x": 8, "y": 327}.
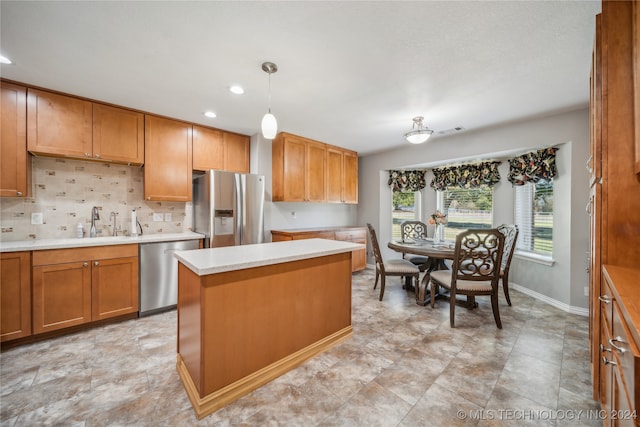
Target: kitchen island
{"x": 247, "y": 314}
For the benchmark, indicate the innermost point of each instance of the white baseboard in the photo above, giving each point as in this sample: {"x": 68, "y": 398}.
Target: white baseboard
{"x": 562, "y": 306}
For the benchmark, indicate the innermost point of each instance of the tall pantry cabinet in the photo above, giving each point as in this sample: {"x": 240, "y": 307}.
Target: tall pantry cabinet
{"x": 614, "y": 209}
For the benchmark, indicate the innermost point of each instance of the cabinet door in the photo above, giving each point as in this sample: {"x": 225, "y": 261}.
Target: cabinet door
{"x": 15, "y": 295}
{"x": 350, "y": 177}
{"x": 208, "y": 149}
{"x": 118, "y": 134}
{"x": 236, "y": 152}
{"x": 334, "y": 175}
{"x": 315, "y": 172}
{"x": 16, "y": 165}
{"x": 114, "y": 284}
{"x": 59, "y": 125}
{"x": 61, "y": 296}
{"x": 294, "y": 163}
{"x": 168, "y": 161}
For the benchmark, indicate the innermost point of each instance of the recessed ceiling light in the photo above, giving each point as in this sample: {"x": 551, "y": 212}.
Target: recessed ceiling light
{"x": 210, "y": 114}
{"x": 238, "y": 90}
{"x": 5, "y": 60}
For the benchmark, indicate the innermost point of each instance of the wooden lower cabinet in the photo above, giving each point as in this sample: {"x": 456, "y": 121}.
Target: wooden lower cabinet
{"x": 619, "y": 355}
{"x": 345, "y": 234}
{"x": 15, "y": 295}
{"x": 81, "y": 285}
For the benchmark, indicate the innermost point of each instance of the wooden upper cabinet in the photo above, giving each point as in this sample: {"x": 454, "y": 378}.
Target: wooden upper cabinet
{"x": 288, "y": 168}
{"x": 594, "y": 163}
{"x": 315, "y": 172}
{"x": 236, "y": 152}
{"x": 305, "y": 170}
{"x": 216, "y": 149}
{"x": 342, "y": 175}
{"x": 15, "y": 163}
{"x": 118, "y": 134}
{"x": 208, "y": 149}
{"x": 59, "y": 125}
{"x": 168, "y": 160}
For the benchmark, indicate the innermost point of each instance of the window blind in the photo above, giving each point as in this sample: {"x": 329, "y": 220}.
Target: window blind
{"x": 534, "y": 217}
{"x": 466, "y": 208}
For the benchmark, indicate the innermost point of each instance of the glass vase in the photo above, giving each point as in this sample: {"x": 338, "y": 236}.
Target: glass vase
{"x": 438, "y": 235}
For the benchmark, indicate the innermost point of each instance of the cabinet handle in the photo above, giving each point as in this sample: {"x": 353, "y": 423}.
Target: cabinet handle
{"x": 97, "y": 156}
{"x": 96, "y": 263}
{"x": 605, "y": 299}
{"x": 603, "y": 349}
{"x": 588, "y": 165}
{"x": 588, "y": 207}
{"x": 606, "y": 361}
{"x": 19, "y": 193}
{"x": 87, "y": 155}
{"x": 85, "y": 264}
{"x": 619, "y": 340}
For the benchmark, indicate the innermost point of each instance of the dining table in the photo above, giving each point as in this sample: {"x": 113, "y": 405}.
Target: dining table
{"x": 436, "y": 253}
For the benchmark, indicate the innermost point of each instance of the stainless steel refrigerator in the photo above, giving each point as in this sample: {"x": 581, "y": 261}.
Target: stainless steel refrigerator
{"x": 228, "y": 208}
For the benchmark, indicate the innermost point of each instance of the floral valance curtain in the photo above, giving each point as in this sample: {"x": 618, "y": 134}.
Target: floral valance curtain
{"x": 466, "y": 176}
{"x": 533, "y": 166}
{"x": 407, "y": 181}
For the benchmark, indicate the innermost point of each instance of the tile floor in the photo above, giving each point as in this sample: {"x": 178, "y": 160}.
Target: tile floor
{"x": 404, "y": 366}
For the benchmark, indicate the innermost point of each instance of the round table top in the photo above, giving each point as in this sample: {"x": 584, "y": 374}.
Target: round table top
{"x": 445, "y": 250}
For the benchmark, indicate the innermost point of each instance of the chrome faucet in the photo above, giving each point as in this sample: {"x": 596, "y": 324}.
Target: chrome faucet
{"x": 94, "y": 216}
{"x": 115, "y": 227}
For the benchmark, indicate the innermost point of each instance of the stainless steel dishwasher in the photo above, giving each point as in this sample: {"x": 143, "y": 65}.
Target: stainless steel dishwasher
{"x": 159, "y": 275}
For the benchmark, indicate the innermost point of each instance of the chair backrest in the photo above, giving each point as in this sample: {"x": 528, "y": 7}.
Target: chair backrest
{"x": 478, "y": 255}
{"x": 413, "y": 230}
{"x": 376, "y": 248}
{"x": 510, "y": 233}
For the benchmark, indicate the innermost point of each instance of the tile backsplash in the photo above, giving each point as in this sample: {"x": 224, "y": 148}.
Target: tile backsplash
{"x": 65, "y": 191}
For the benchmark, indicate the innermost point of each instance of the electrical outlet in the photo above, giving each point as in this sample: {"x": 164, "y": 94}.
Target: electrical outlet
{"x": 37, "y": 218}
{"x": 167, "y": 217}
{"x": 158, "y": 217}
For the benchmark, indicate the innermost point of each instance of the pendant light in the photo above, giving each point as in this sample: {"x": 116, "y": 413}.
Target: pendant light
{"x": 419, "y": 133}
{"x": 269, "y": 122}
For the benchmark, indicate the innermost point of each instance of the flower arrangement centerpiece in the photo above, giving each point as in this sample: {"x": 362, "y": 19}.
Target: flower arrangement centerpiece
{"x": 439, "y": 220}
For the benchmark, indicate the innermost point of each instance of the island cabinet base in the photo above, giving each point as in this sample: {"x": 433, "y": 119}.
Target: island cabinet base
{"x": 240, "y": 329}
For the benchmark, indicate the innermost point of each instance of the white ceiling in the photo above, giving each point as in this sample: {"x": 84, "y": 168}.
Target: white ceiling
{"x": 351, "y": 73}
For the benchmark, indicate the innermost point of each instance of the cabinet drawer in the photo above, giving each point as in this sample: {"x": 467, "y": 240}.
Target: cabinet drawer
{"x": 356, "y": 236}
{"x": 321, "y": 235}
{"x": 628, "y": 358}
{"x": 57, "y": 256}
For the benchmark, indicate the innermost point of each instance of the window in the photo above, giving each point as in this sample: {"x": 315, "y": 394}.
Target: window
{"x": 534, "y": 217}
{"x": 465, "y": 208}
{"x": 405, "y": 207}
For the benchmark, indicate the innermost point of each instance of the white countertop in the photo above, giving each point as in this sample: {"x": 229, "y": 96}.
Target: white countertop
{"x": 230, "y": 258}
{"x": 40, "y": 244}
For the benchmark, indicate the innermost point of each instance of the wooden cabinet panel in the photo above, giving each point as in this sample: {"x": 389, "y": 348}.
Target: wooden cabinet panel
{"x": 350, "y": 178}
{"x": 58, "y": 125}
{"x": 15, "y": 163}
{"x": 236, "y": 152}
{"x": 114, "y": 285}
{"x": 15, "y": 295}
{"x": 334, "y": 174}
{"x": 208, "y": 149}
{"x": 61, "y": 296}
{"x": 168, "y": 160}
{"x": 315, "y": 172}
{"x": 118, "y": 134}
{"x": 288, "y": 163}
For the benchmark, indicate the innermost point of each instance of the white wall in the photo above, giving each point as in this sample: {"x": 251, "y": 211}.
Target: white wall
{"x": 562, "y": 283}
{"x": 279, "y": 215}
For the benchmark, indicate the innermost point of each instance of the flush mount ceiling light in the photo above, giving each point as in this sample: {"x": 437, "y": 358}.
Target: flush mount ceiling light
{"x": 269, "y": 122}
{"x": 238, "y": 90}
{"x": 419, "y": 133}
{"x": 210, "y": 114}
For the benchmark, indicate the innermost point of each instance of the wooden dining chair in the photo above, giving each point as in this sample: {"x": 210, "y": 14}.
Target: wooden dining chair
{"x": 415, "y": 230}
{"x": 510, "y": 232}
{"x": 475, "y": 270}
{"x": 392, "y": 267}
